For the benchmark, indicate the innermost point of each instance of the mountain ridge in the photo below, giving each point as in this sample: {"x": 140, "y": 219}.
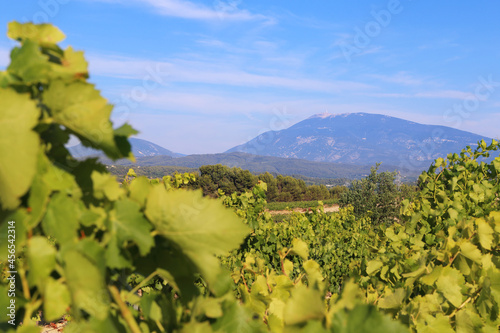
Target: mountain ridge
{"x": 362, "y": 139}
{"x": 140, "y": 148}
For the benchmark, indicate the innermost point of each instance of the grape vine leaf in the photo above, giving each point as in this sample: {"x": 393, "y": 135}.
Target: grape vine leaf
{"x": 29, "y": 64}
{"x": 19, "y": 146}
{"x": 41, "y": 33}
{"x": 84, "y": 268}
{"x": 449, "y": 283}
{"x": 80, "y": 107}
{"x": 127, "y": 223}
{"x": 200, "y": 227}
{"x": 56, "y": 300}
{"x": 41, "y": 260}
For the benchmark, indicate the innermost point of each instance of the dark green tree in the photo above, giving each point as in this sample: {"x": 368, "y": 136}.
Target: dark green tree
{"x": 376, "y": 196}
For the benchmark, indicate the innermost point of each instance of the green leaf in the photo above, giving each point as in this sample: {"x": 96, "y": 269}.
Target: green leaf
{"x": 41, "y": 33}
{"x": 73, "y": 65}
{"x": 209, "y": 307}
{"x": 81, "y": 108}
{"x": 61, "y": 219}
{"x": 56, "y": 300}
{"x": 85, "y": 273}
{"x": 485, "y": 233}
{"x": 117, "y": 256}
{"x": 494, "y": 276}
{"x": 19, "y": 146}
{"x": 468, "y": 321}
{"x": 365, "y": 318}
{"x": 438, "y": 324}
{"x": 471, "y": 251}
{"x": 392, "y": 300}
{"x": 373, "y": 266}
{"x": 313, "y": 273}
{"x": 128, "y": 224}
{"x": 449, "y": 284}
{"x": 41, "y": 260}
{"x": 38, "y": 199}
{"x": 29, "y": 64}
{"x": 150, "y": 308}
{"x": 237, "y": 318}
{"x": 200, "y": 227}
{"x": 304, "y": 304}
{"x": 8, "y": 79}
{"x": 121, "y": 140}
{"x": 139, "y": 189}
{"x": 20, "y": 217}
{"x": 106, "y": 185}
{"x": 299, "y": 247}
{"x": 288, "y": 267}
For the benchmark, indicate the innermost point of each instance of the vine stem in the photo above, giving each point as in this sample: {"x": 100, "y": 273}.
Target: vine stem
{"x": 465, "y": 303}
{"x": 24, "y": 283}
{"x": 127, "y": 315}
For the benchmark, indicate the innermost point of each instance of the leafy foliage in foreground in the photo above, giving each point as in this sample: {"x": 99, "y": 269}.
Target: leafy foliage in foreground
{"x": 441, "y": 270}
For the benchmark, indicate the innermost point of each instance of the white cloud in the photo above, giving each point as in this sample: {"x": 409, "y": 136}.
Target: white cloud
{"x": 209, "y": 73}
{"x": 220, "y": 10}
{"x": 449, "y": 94}
{"x": 438, "y": 94}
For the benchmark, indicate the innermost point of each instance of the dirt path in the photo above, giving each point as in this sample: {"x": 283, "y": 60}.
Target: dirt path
{"x": 328, "y": 209}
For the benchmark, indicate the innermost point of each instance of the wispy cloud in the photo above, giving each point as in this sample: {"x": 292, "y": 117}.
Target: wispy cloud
{"x": 176, "y": 70}
{"x": 402, "y": 77}
{"x": 438, "y": 94}
{"x": 449, "y": 94}
{"x": 220, "y": 10}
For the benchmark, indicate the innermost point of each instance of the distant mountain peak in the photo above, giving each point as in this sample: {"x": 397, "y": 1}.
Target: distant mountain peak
{"x": 329, "y": 115}
{"x": 362, "y": 139}
{"x": 140, "y": 148}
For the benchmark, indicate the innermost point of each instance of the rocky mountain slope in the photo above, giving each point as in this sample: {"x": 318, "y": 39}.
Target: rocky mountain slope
{"x": 362, "y": 139}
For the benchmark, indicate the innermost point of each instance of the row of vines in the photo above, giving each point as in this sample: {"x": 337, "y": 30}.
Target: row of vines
{"x": 149, "y": 256}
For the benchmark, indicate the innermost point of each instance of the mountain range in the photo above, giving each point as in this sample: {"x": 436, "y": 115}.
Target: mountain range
{"x": 362, "y": 139}
{"x": 140, "y": 148}
{"x": 324, "y": 145}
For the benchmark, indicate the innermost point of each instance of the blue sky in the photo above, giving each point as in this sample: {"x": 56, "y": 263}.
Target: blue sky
{"x": 204, "y": 76}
